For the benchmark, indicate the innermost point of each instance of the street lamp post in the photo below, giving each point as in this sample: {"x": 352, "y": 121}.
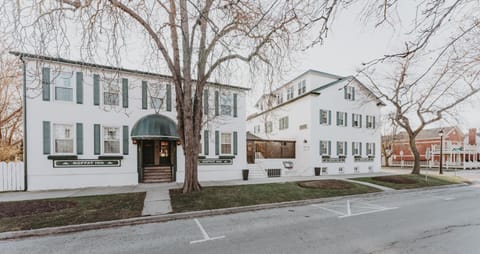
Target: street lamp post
{"x": 440, "y": 133}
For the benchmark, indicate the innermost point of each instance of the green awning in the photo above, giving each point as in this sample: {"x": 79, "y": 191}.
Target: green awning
{"x": 156, "y": 127}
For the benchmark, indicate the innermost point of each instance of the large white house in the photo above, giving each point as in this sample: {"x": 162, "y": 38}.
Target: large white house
{"x": 333, "y": 120}
{"x": 93, "y": 125}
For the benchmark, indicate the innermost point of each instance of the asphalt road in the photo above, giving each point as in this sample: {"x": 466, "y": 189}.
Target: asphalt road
{"x": 435, "y": 221}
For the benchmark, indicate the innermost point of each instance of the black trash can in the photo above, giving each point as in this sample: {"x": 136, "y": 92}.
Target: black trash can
{"x": 317, "y": 171}
{"x": 245, "y": 174}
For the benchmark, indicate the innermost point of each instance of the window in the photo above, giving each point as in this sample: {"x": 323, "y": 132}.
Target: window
{"x": 256, "y": 129}
{"x": 111, "y": 140}
{"x": 63, "y": 138}
{"x": 325, "y": 116}
{"x": 349, "y": 93}
{"x": 341, "y": 118}
{"x": 290, "y": 93}
{"x": 268, "y": 127}
{"x": 370, "y": 122}
{"x": 157, "y": 94}
{"x": 341, "y": 147}
{"x": 302, "y": 87}
{"x": 111, "y": 92}
{"x": 226, "y": 143}
{"x": 356, "y": 170}
{"x": 324, "y": 147}
{"x": 340, "y": 170}
{"x": 226, "y": 104}
{"x": 356, "y": 148}
{"x": 280, "y": 98}
{"x": 303, "y": 127}
{"x": 370, "y": 149}
{"x": 283, "y": 123}
{"x": 64, "y": 87}
{"x": 357, "y": 120}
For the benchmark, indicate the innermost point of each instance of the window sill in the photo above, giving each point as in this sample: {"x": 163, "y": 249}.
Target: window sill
{"x": 110, "y": 157}
{"x": 62, "y": 157}
{"x": 226, "y": 157}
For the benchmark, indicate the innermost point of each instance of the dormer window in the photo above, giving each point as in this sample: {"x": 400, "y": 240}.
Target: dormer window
{"x": 280, "y": 98}
{"x": 349, "y": 93}
{"x": 290, "y": 93}
{"x": 302, "y": 87}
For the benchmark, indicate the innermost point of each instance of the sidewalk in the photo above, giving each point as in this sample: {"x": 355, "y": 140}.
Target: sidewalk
{"x": 157, "y": 200}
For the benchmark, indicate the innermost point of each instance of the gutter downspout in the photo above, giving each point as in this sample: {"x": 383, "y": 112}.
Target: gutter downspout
{"x": 24, "y": 70}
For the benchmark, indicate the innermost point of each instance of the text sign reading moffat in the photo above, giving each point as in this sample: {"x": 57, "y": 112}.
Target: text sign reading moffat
{"x": 215, "y": 161}
{"x": 85, "y": 163}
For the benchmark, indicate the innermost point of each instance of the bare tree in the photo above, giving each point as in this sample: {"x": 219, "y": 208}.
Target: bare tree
{"x": 10, "y": 108}
{"x": 194, "y": 40}
{"x": 389, "y": 138}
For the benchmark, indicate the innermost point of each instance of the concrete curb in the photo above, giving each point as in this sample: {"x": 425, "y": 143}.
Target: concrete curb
{"x": 189, "y": 215}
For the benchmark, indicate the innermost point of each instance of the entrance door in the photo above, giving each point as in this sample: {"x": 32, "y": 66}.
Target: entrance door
{"x": 157, "y": 161}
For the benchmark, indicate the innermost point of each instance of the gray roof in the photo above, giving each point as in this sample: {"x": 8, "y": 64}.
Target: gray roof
{"x": 427, "y": 133}
{"x": 155, "y": 126}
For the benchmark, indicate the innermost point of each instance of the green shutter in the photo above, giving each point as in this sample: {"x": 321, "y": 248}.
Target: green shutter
{"x": 373, "y": 119}
{"x": 96, "y": 89}
{"x": 345, "y": 145}
{"x": 345, "y": 92}
{"x": 360, "y": 117}
{"x": 125, "y": 92}
{"x": 79, "y": 88}
{"x": 96, "y": 139}
{"x": 205, "y": 142}
{"x": 235, "y": 112}
{"x": 373, "y": 149}
{"x": 235, "y": 143}
{"x": 205, "y": 102}
{"x": 329, "y": 117}
{"x": 144, "y": 95}
{"x": 338, "y": 150}
{"x": 217, "y": 112}
{"x": 329, "y": 147}
{"x": 169, "y": 97}
{"x": 346, "y": 119}
{"x": 338, "y": 118}
{"x": 46, "y": 137}
{"x": 360, "y": 148}
{"x": 321, "y": 147}
{"x": 353, "y": 148}
{"x": 125, "y": 139}
{"x": 79, "y": 130}
{"x": 46, "y": 83}
{"x": 353, "y": 93}
{"x": 217, "y": 142}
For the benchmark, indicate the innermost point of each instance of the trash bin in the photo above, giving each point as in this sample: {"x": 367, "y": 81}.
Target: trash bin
{"x": 245, "y": 174}
{"x": 317, "y": 171}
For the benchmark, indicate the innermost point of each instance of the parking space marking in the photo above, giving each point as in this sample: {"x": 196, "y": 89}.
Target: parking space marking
{"x": 206, "y": 237}
{"x": 346, "y": 209}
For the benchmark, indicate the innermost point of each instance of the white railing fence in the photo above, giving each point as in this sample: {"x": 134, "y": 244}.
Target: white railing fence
{"x": 11, "y": 176}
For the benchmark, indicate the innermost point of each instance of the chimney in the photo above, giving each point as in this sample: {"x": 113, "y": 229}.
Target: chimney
{"x": 472, "y": 133}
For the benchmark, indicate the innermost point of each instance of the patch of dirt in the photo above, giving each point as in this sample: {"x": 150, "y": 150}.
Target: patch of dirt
{"x": 326, "y": 184}
{"x": 395, "y": 179}
{"x": 31, "y": 207}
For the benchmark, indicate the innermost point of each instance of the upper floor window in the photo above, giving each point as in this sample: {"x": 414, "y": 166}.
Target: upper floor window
{"x": 111, "y": 140}
{"x": 370, "y": 122}
{"x": 356, "y": 120}
{"x": 349, "y": 93}
{"x": 157, "y": 95}
{"x": 325, "y": 147}
{"x": 226, "y": 143}
{"x": 63, "y": 137}
{"x": 111, "y": 92}
{"x": 268, "y": 127}
{"x": 302, "y": 87}
{"x": 283, "y": 123}
{"x": 290, "y": 93}
{"x": 341, "y": 148}
{"x": 64, "y": 87}
{"x": 341, "y": 118}
{"x": 325, "y": 117}
{"x": 256, "y": 129}
{"x": 356, "y": 148}
{"x": 226, "y": 104}
{"x": 370, "y": 149}
{"x": 280, "y": 98}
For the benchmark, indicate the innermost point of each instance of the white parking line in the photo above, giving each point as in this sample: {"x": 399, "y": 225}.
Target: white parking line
{"x": 328, "y": 210}
{"x": 373, "y": 211}
{"x": 352, "y": 205}
{"x": 206, "y": 237}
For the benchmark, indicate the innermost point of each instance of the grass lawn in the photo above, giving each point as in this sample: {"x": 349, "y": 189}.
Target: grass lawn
{"x": 253, "y": 194}
{"x": 399, "y": 182}
{"x": 32, "y": 214}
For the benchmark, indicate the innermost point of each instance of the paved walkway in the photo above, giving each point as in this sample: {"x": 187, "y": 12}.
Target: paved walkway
{"x": 157, "y": 200}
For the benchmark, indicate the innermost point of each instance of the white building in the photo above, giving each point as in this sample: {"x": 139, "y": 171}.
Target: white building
{"x": 91, "y": 125}
{"x": 333, "y": 120}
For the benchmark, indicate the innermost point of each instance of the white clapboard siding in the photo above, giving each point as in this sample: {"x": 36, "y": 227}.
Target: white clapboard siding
{"x": 11, "y": 176}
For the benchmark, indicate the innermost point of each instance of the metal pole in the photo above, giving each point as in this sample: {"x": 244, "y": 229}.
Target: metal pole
{"x": 441, "y": 155}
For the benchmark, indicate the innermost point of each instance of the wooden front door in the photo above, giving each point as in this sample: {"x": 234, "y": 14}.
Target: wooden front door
{"x": 158, "y": 161}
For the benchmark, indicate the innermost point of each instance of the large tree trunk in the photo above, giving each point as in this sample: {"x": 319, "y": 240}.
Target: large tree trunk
{"x": 386, "y": 160}
{"x": 416, "y": 155}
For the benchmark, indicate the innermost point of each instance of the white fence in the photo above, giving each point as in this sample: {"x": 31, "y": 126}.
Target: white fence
{"x": 11, "y": 176}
